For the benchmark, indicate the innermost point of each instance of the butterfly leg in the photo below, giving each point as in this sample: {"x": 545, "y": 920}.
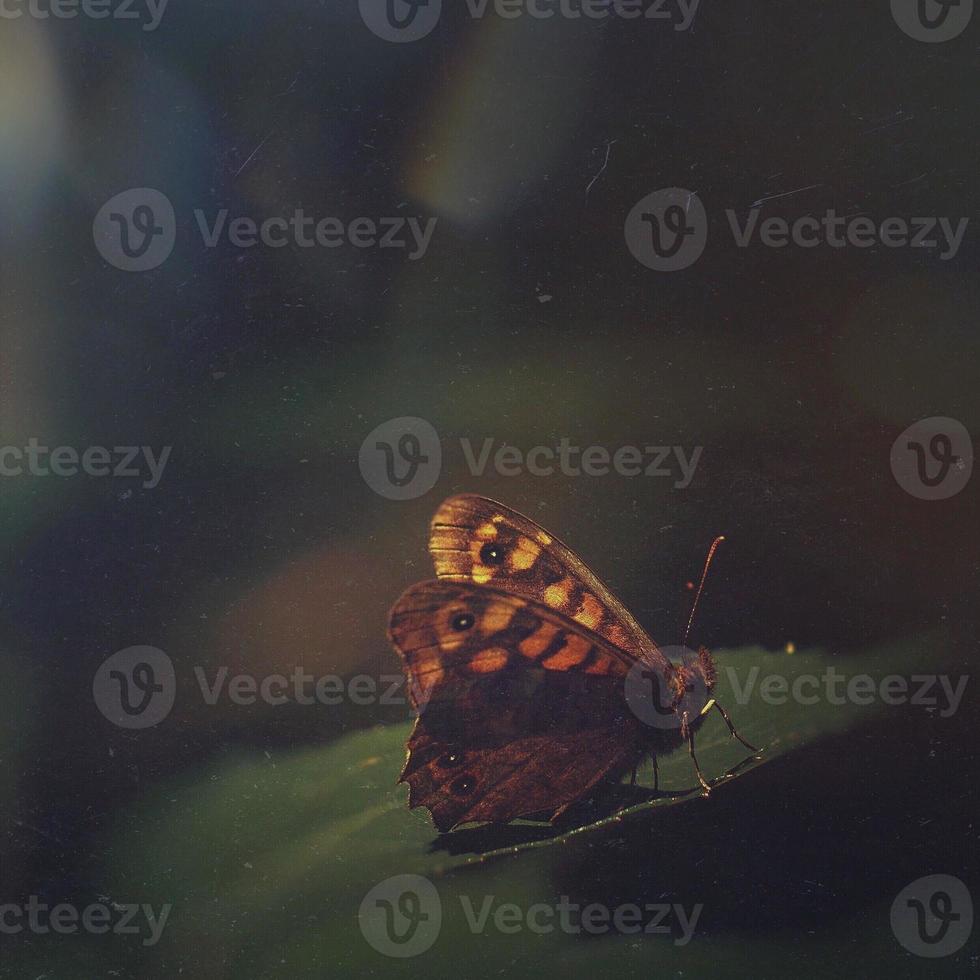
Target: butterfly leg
{"x": 731, "y": 728}
{"x": 633, "y": 778}
{"x": 686, "y": 730}
{"x": 656, "y": 773}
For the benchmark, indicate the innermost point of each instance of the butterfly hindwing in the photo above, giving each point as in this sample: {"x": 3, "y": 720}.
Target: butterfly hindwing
{"x": 520, "y": 708}
{"x": 475, "y": 539}
{"x": 499, "y": 782}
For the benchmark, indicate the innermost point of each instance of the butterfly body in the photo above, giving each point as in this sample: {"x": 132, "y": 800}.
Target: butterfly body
{"x": 521, "y": 666}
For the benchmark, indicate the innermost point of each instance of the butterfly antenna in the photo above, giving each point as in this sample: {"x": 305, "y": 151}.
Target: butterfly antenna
{"x": 704, "y": 574}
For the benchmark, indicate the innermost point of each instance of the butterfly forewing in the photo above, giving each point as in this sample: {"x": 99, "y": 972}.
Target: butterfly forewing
{"x": 451, "y": 636}
{"x": 475, "y": 539}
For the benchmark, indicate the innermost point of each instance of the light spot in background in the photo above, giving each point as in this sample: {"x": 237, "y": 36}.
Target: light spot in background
{"x": 508, "y": 106}
{"x": 309, "y": 612}
{"x": 32, "y": 120}
{"x": 32, "y": 124}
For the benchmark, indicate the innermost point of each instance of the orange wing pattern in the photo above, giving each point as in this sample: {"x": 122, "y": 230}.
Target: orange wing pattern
{"x": 475, "y": 539}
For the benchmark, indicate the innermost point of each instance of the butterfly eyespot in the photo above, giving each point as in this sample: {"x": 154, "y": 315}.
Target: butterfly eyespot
{"x": 462, "y": 785}
{"x": 492, "y": 554}
{"x": 450, "y": 760}
{"x": 462, "y": 621}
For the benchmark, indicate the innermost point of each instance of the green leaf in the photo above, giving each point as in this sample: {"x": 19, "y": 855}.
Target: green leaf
{"x": 266, "y": 859}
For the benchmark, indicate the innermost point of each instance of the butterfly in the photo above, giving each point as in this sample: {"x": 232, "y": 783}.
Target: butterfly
{"x": 531, "y": 682}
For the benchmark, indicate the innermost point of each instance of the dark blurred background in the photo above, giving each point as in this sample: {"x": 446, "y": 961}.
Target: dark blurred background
{"x": 526, "y": 321}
